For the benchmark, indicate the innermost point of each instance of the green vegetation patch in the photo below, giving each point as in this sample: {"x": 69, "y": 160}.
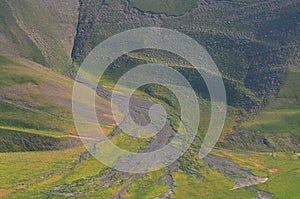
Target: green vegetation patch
{"x": 7, "y": 78}
{"x": 282, "y": 115}
{"x": 26, "y": 174}
{"x": 13, "y": 141}
{"x": 214, "y": 185}
{"x": 23, "y": 104}
{"x": 16, "y": 116}
{"x": 282, "y": 169}
{"x": 148, "y": 186}
{"x": 291, "y": 88}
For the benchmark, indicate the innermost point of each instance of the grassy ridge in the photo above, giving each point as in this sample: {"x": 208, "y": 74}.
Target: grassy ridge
{"x": 16, "y": 141}
{"x": 237, "y": 93}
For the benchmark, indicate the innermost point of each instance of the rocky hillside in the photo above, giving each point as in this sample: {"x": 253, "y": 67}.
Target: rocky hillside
{"x": 251, "y": 41}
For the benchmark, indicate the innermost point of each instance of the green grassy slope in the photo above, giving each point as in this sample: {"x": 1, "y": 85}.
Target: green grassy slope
{"x": 282, "y": 115}
{"x": 15, "y": 40}
{"x": 27, "y": 98}
{"x": 64, "y": 173}
{"x": 60, "y": 174}
{"x": 36, "y": 100}
{"x": 277, "y": 126}
{"x": 280, "y": 168}
{"x": 42, "y": 31}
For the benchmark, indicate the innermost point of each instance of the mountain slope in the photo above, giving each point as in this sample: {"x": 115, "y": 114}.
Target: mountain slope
{"x": 36, "y": 100}
{"x": 253, "y": 44}
{"x": 15, "y": 40}
{"x": 42, "y": 31}
{"x": 276, "y": 128}
{"x": 250, "y": 41}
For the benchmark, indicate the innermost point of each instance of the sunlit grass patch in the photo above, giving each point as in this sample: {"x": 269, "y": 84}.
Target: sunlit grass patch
{"x": 211, "y": 185}
{"x": 280, "y": 168}
{"x": 19, "y": 172}
{"x": 147, "y": 186}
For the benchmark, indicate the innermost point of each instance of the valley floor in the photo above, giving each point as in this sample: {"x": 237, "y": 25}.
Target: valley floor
{"x": 223, "y": 174}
